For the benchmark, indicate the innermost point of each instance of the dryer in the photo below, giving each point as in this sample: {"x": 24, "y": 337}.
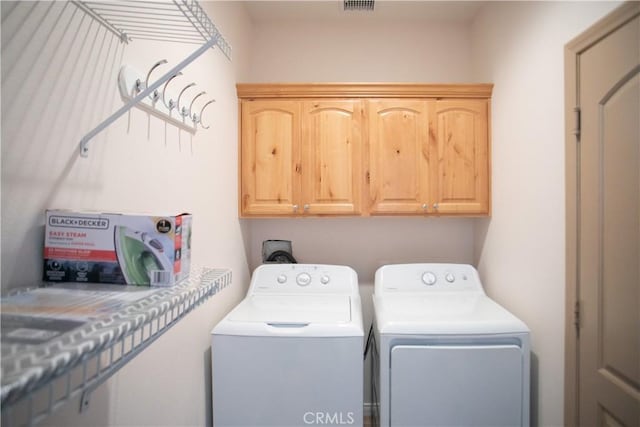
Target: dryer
{"x": 445, "y": 353}
{"x": 291, "y": 353}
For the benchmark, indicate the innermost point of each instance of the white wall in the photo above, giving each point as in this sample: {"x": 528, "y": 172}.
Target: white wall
{"x": 365, "y": 244}
{"x": 520, "y": 251}
{"x": 59, "y": 71}
{"x": 359, "y": 50}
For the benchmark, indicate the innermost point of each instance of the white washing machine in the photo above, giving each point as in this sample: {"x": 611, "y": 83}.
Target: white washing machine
{"x": 291, "y": 353}
{"x": 445, "y": 354}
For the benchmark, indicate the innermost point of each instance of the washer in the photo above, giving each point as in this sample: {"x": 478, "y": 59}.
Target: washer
{"x": 445, "y": 354}
{"x": 291, "y": 353}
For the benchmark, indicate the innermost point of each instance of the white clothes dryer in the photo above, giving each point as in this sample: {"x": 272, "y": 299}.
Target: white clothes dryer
{"x": 446, "y": 354}
{"x": 291, "y": 353}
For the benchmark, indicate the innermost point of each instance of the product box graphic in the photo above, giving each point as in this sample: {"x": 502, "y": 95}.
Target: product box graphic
{"x": 116, "y": 248}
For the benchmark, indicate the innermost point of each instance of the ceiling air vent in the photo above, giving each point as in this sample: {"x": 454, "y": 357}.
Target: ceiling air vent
{"x": 358, "y": 4}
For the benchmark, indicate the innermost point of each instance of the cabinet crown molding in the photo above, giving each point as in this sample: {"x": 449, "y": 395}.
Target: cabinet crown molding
{"x": 363, "y": 90}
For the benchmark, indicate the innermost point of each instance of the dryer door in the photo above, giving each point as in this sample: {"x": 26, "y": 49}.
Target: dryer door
{"x": 451, "y": 385}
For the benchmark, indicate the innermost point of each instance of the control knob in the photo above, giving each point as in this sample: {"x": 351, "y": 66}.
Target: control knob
{"x": 303, "y": 279}
{"x": 450, "y": 278}
{"x": 428, "y": 278}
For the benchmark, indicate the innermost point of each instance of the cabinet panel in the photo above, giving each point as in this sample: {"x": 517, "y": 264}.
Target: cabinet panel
{"x": 398, "y": 156}
{"x": 461, "y": 132}
{"x": 269, "y": 157}
{"x": 331, "y": 155}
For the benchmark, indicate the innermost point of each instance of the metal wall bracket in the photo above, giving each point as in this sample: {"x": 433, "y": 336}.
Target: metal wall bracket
{"x": 114, "y": 364}
{"x": 84, "y": 142}
{"x": 164, "y": 103}
{"x": 148, "y": 20}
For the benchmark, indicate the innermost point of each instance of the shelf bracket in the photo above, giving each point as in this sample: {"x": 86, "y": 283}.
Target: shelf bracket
{"x": 103, "y": 376}
{"x": 84, "y": 142}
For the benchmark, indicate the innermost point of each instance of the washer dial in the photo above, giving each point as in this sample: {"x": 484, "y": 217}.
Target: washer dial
{"x": 428, "y": 278}
{"x": 303, "y": 279}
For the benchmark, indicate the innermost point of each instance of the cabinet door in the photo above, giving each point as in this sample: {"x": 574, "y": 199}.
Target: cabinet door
{"x": 398, "y": 156}
{"x": 270, "y": 159}
{"x": 462, "y": 144}
{"x": 331, "y": 157}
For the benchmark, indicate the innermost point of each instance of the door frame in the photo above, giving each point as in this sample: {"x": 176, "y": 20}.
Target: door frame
{"x": 572, "y": 53}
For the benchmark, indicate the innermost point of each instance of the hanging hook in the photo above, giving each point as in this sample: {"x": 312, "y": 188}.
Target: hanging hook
{"x": 199, "y": 119}
{"x": 180, "y": 95}
{"x": 171, "y": 104}
{"x": 154, "y": 97}
{"x": 188, "y": 113}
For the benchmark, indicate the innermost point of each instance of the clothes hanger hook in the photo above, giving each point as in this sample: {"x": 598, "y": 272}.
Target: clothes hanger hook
{"x": 154, "y": 97}
{"x": 171, "y": 104}
{"x": 180, "y": 96}
{"x": 202, "y": 111}
{"x": 194, "y": 100}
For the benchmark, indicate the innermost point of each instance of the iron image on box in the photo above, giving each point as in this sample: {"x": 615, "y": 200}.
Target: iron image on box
{"x": 128, "y": 249}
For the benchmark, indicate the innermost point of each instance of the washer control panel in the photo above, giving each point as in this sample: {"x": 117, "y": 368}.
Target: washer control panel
{"x": 303, "y": 279}
{"x": 427, "y": 278}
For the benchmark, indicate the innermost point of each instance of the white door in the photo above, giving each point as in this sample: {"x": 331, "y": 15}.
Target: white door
{"x": 457, "y": 385}
{"x": 607, "y": 224}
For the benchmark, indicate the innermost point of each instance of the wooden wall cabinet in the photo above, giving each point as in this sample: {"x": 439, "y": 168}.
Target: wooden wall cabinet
{"x": 459, "y": 132}
{"x": 331, "y": 157}
{"x": 364, "y": 149}
{"x": 270, "y": 157}
{"x": 428, "y": 157}
{"x": 399, "y": 160}
{"x": 300, "y": 157}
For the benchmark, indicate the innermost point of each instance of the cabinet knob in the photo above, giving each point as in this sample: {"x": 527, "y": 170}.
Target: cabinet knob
{"x": 425, "y": 206}
{"x": 295, "y": 208}
{"x": 306, "y": 207}
{"x": 435, "y": 206}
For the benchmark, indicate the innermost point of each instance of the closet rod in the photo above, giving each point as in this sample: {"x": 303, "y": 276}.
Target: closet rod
{"x": 84, "y": 142}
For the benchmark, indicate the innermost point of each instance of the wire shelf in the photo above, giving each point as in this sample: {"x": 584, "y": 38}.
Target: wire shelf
{"x": 173, "y": 21}
{"x": 39, "y": 378}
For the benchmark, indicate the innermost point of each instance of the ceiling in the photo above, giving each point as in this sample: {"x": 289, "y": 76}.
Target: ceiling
{"x": 461, "y": 12}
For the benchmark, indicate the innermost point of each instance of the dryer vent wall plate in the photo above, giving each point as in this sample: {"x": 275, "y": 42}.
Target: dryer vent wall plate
{"x": 277, "y": 252}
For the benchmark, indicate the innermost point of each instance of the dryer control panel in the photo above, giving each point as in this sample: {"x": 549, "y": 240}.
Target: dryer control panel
{"x": 304, "y": 279}
{"x": 427, "y": 277}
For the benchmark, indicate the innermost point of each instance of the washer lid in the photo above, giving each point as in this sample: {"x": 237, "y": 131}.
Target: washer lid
{"x": 447, "y": 313}
{"x": 293, "y": 309}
